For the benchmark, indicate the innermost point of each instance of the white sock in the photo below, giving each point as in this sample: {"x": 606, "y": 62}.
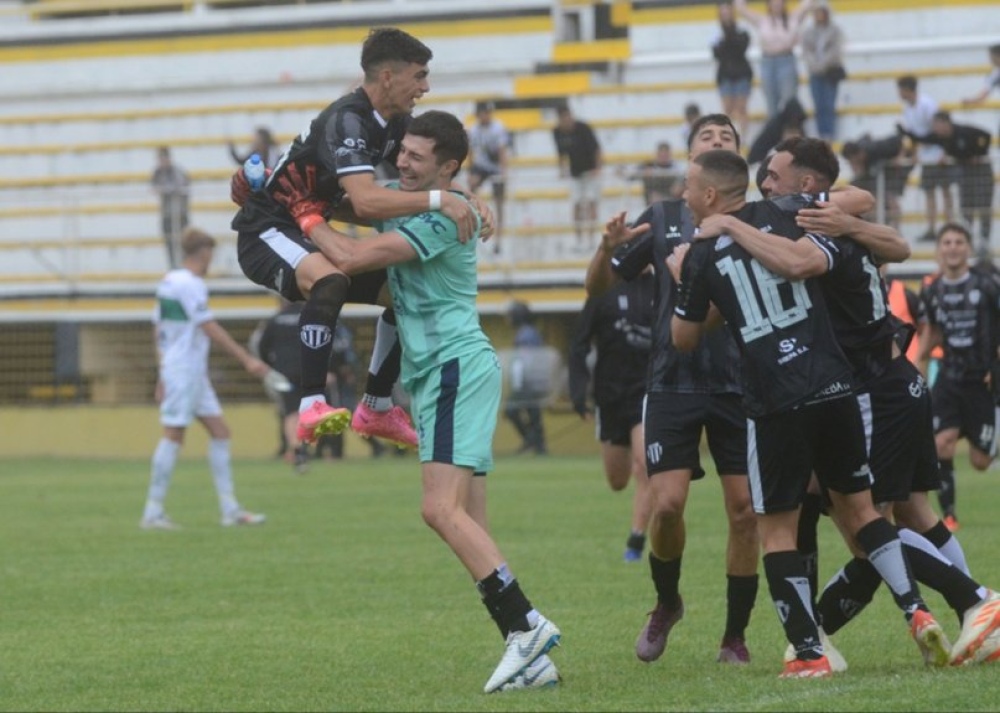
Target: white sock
{"x": 307, "y": 401}
{"x": 161, "y": 471}
{"x": 953, "y": 552}
{"x": 222, "y": 474}
{"x": 385, "y": 340}
{"x": 377, "y": 403}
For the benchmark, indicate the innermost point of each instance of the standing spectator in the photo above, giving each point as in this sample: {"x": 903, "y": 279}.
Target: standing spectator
{"x": 961, "y": 312}
{"x": 734, "y": 73}
{"x": 661, "y": 178}
{"x": 992, "y": 80}
{"x": 529, "y": 381}
{"x": 778, "y": 33}
{"x": 823, "y": 52}
{"x": 580, "y": 159}
{"x": 488, "y": 144}
{"x": 618, "y": 324}
{"x": 263, "y": 145}
{"x": 870, "y": 158}
{"x": 969, "y": 147}
{"x": 935, "y": 171}
{"x": 184, "y": 329}
{"x": 172, "y": 184}
{"x": 692, "y": 112}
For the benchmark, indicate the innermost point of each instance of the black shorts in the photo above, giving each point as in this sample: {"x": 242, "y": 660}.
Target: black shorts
{"x": 938, "y": 175}
{"x": 673, "y": 425}
{"x": 785, "y": 448}
{"x": 897, "y": 413}
{"x": 494, "y": 177}
{"x": 270, "y": 258}
{"x": 968, "y": 406}
{"x": 616, "y": 421}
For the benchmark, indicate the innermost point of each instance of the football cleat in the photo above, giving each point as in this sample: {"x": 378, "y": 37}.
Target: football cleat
{"x": 838, "y": 664}
{"x": 540, "y": 673}
{"x": 979, "y": 641}
{"x": 930, "y": 638}
{"x": 653, "y": 638}
{"x": 801, "y": 668}
{"x": 523, "y": 647}
{"x": 243, "y": 517}
{"x": 392, "y": 425}
{"x": 733, "y": 650}
{"x": 321, "y": 419}
{"x": 160, "y": 522}
{"x": 951, "y": 522}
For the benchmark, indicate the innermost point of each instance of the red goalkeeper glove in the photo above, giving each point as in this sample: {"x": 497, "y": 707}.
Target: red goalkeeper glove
{"x": 239, "y": 187}
{"x": 296, "y": 193}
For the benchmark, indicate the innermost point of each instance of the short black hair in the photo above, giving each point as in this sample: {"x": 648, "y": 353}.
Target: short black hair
{"x": 941, "y": 115}
{"x": 727, "y": 170}
{"x": 711, "y": 120}
{"x": 954, "y": 228}
{"x": 446, "y": 131}
{"x": 851, "y": 149}
{"x": 390, "y": 44}
{"x": 908, "y": 82}
{"x": 813, "y": 155}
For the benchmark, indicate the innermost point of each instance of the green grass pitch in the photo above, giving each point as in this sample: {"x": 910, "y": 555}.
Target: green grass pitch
{"x": 345, "y": 600}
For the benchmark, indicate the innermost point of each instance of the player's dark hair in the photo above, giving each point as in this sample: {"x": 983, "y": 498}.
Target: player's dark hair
{"x": 907, "y": 82}
{"x": 941, "y": 115}
{"x": 448, "y": 134}
{"x": 851, "y": 149}
{"x": 194, "y": 240}
{"x": 954, "y": 228}
{"x": 726, "y": 170}
{"x": 711, "y": 120}
{"x": 762, "y": 173}
{"x": 390, "y": 44}
{"x": 813, "y": 155}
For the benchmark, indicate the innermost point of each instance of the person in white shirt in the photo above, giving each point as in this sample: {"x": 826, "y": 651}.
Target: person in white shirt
{"x": 184, "y": 328}
{"x": 488, "y": 146}
{"x": 936, "y": 169}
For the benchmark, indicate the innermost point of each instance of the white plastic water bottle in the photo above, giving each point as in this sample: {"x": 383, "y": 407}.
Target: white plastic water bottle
{"x": 255, "y": 172}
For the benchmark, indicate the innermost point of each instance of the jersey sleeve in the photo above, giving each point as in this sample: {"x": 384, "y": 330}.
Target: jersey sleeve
{"x": 195, "y": 301}
{"x": 837, "y": 250}
{"x": 631, "y": 258}
{"x": 430, "y": 234}
{"x": 692, "y": 291}
{"x": 345, "y": 143}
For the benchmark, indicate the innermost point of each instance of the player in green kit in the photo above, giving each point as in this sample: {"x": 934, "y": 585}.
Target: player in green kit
{"x": 452, "y": 375}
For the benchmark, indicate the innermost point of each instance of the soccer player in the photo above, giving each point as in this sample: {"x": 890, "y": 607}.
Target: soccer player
{"x": 961, "y": 313}
{"x": 799, "y": 401}
{"x": 338, "y": 153}
{"x": 453, "y": 376}
{"x": 618, "y": 325}
{"x": 184, "y": 329}
{"x": 685, "y": 395}
{"x": 891, "y": 392}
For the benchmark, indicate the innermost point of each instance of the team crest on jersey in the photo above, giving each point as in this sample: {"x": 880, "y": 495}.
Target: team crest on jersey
{"x": 917, "y": 387}
{"x": 315, "y": 336}
{"x": 623, "y": 303}
{"x": 673, "y": 232}
{"x": 974, "y": 296}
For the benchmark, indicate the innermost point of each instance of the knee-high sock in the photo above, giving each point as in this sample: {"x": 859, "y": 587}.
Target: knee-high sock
{"x": 316, "y": 324}
{"x": 812, "y": 506}
{"x": 161, "y": 471}
{"x": 847, "y": 594}
{"x": 885, "y": 551}
{"x": 666, "y": 575}
{"x": 948, "y": 545}
{"x": 741, "y": 594}
{"x": 222, "y": 474}
{"x": 946, "y": 495}
{"x": 930, "y": 568}
{"x": 786, "y": 579}
{"x": 383, "y": 369}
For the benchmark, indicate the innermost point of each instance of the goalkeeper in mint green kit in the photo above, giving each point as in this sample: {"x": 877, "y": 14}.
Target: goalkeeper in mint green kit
{"x": 452, "y": 374}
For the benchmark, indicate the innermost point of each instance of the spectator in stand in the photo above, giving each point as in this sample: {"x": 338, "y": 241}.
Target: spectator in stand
{"x": 733, "y": 74}
{"x": 969, "y": 147}
{"x": 661, "y": 178}
{"x": 823, "y": 52}
{"x": 580, "y": 159}
{"x": 488, "y": 146}
{"x": 172, "y": 185}
{"x": 263, "y": 145}
{"x": 692, "y": 112}
{"x": 936, "y": 172}
{"x": 992, "y": 80}
{"x": 778, "y": 33}
{"x": 871, "y": 157}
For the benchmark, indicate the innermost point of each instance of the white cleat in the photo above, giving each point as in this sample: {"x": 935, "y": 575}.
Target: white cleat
{"x": 979, "y": 641}
{"x": 160, "y": 522}
{"x": 838, "y": 664}
{"x": 243, "y": 517}
{"x": 523, "y": 647}
{"x": 540, "y": 673}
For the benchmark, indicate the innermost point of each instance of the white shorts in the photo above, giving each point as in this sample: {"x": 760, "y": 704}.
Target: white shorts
{"x": 586, "y": 188}
{"x": 185, "y": 398}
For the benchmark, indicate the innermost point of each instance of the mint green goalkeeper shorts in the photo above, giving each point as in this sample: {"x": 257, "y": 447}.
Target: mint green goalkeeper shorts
{"x": 455, "y": 407}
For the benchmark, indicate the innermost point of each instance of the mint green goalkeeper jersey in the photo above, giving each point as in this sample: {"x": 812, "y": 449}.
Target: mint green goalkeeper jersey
{"x": 434, "y": 295}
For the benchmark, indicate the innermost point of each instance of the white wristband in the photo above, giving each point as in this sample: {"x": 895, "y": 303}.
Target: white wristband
{"x": 435, "y": 200}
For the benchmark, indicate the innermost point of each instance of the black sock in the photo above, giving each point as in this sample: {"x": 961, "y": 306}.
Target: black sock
{"x": 946, "y": 495}
{"x": 505, "y": 601}
{"x": 812, "y": 507}
{"x": 847, "y": 594}
{"x": 316, "y": 323}
{"x": 960, "y": 591}
{"x": 741, "y": 594}
{"x": 879, "y": 541}
{"x": 386, "y": 369}
{"x": 666, "y": 578}
{"x": 636, "y": 541}
{"x": 786, "y": 579}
